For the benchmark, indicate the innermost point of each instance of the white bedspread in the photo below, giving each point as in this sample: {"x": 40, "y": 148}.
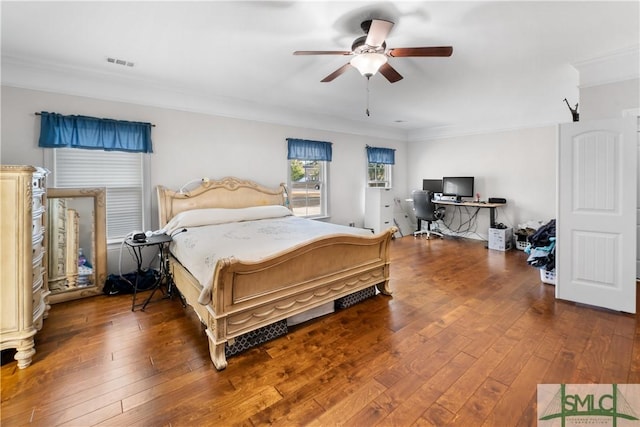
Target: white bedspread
{"x": 200, "y": 248}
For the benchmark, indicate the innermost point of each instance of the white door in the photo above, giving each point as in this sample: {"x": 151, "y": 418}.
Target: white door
{"x": 638, "y": 211}
{"x": 596, "y": 221}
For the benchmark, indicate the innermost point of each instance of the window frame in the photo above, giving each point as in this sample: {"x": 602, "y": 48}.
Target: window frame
{"x": 51, "y": 163}
{"x": 386, "y": 181}
{"x": 322, "y": 186}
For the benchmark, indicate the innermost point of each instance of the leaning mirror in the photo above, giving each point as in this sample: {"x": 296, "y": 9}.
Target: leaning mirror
{"x": 76, "y": 242}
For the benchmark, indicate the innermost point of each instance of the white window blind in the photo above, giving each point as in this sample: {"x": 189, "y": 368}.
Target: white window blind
{"x": 121, "y": 173}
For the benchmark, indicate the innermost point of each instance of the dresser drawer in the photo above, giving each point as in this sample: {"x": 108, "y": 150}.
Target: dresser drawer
{"x": 386, "y": 209}
{"x": 386, "y": 215}
{"x": 384, "y": 225}
{"x": 386, "y": 197}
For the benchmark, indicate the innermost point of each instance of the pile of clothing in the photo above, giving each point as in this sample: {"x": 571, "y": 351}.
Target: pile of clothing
{"x": 526, "y": 230}
{"x": 542, "y": 248}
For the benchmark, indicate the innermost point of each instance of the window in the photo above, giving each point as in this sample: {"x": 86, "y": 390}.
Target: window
{"x": 307, "y": 187}
{"x": 380, "y": 163}
{"x": 307, "y": 176}
{"x": 379, "y": 175}
{"x": 122, "y": 173}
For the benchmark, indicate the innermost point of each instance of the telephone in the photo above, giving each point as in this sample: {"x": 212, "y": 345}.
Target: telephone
{"x": 141, "y": 237}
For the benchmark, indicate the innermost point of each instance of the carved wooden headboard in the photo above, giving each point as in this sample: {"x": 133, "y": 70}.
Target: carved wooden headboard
{"x": 228, "y": 192}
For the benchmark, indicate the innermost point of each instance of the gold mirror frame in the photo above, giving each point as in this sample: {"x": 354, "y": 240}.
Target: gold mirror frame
{"x": 99, "y": 243}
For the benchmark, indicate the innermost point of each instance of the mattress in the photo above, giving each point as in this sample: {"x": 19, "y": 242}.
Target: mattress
{"x": 246, "y": 236}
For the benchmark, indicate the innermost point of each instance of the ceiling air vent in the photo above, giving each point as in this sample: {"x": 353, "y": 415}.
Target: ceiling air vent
{"x": 120, "y": 62}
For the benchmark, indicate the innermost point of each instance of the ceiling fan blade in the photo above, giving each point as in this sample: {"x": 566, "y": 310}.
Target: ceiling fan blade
{"x": 420, "y": 51}
{"x": 390, "y": 73}
{"x": 336, "y": 73}
{"x": 322, "y": 52}
{"x": 378, "y": 32}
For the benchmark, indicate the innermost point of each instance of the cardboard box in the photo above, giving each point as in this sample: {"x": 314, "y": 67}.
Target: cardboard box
{"x": 500, "y": 239}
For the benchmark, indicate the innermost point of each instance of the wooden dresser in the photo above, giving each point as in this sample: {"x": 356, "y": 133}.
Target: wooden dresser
{"x": 23, "y": 281}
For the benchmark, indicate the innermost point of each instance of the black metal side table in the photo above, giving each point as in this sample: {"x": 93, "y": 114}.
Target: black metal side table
{"x": 162, "y": 241}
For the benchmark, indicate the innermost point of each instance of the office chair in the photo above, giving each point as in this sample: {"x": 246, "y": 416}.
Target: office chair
{"x": 426, "y": 210}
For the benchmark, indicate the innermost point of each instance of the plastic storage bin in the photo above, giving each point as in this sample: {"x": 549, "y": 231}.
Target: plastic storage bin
{"x": 548, "y": 277}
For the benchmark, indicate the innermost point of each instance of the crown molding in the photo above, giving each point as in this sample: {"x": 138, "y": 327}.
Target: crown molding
{"x": 51, "y": 77}
{"x": 444, "y": 132}
{"x": 617, "y": 66}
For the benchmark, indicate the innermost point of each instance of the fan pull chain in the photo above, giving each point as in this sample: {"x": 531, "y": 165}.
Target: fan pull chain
{"x": 368, "y": 97}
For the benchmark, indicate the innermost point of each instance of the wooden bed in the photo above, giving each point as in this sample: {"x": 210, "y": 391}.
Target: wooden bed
{"x": 250, "y": 295}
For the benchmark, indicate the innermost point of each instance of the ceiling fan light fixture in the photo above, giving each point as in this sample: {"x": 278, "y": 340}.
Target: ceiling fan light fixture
{"x": 368, "y": 63}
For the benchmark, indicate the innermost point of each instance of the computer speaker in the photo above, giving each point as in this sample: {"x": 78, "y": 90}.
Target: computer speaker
{"x": 497, "y": 200}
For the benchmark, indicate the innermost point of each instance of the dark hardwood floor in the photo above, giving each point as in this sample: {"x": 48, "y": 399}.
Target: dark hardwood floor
{"x": 465, "y": 339}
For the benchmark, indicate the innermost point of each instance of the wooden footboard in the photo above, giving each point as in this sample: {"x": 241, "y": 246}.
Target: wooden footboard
{"x": 249, "y": 295}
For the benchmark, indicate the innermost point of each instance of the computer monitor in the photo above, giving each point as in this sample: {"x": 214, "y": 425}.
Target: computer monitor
{"x": 433, "y": 185}
{"x": 461, "y": 186}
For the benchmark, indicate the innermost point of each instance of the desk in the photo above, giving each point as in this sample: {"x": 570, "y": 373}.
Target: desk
{"x": 161, "y": 241}
{"x": 491, "y": 206}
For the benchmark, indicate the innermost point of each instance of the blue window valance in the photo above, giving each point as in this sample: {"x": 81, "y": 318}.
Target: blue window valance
{"x": 304, "y": 149}
{"x": 58, "y": 131}
{"x": 385, "y": 156}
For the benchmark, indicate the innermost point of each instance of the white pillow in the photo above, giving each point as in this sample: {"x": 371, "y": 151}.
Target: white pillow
{"x": 200, "y": 217}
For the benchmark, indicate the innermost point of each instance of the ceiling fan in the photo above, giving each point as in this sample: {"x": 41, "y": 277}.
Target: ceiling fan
{"x": 370, "y": 53}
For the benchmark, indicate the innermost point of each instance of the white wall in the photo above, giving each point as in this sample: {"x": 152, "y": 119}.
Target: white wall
{"x": 518, "y": 165}
{"x": 607, "y": 101}
{"x": 191, "y": 145}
